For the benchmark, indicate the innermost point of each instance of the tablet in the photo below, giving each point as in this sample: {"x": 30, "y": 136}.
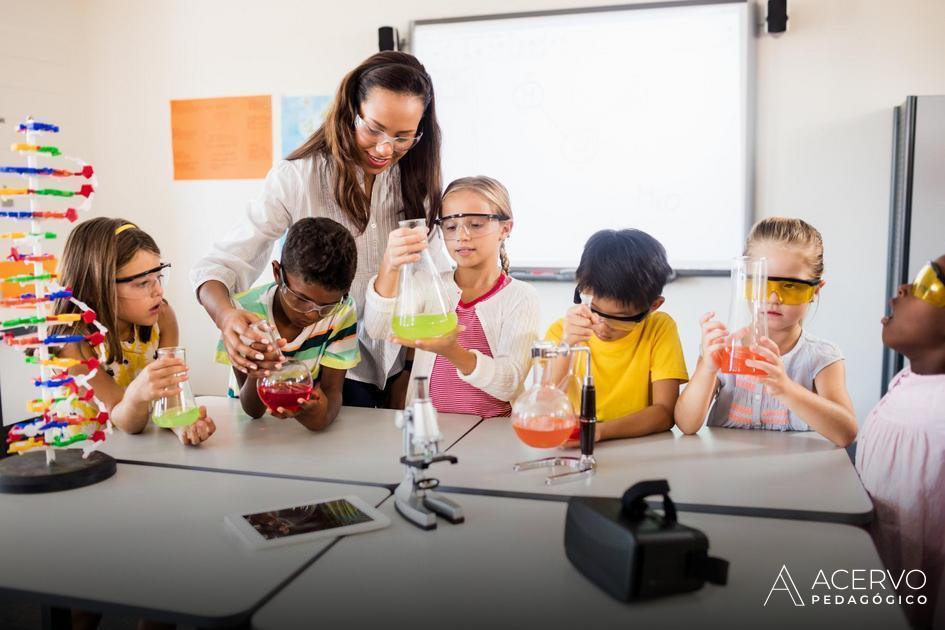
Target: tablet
{"x": 325, "y": 518}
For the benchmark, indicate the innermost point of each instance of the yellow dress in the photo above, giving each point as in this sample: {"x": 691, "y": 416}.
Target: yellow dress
{"x": 137, "y": 355}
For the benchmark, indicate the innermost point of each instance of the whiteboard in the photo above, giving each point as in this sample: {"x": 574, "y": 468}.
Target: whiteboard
{"x": 632, "y": 116}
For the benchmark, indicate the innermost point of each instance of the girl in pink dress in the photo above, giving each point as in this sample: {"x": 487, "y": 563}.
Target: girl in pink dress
{"x": 901, "y": 450}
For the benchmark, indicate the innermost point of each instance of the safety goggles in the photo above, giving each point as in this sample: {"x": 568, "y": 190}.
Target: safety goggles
{"x": 144, "y": 284}
{"x": 474, "y": 224}
{"x": 929, "y": 285}
{"x": 400, "y": 144}
{"x": 790, "y": 291}
{"x": 302, "y": 304}
{"x": 617, "y": 322}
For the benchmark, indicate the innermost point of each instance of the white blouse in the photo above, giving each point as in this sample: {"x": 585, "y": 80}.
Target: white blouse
{"x": 295, "y": 189}
{"x": 510, "y": 321}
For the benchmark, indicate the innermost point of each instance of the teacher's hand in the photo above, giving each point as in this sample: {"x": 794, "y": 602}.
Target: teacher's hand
{"x": 254, "y": 359}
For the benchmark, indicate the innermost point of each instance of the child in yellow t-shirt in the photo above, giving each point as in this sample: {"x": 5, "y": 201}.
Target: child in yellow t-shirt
{"x": 636, "y": 356}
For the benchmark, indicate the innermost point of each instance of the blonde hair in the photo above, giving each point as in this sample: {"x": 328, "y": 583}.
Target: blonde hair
{"x": 494, "y": 193}
{"x": 790, "y": 231}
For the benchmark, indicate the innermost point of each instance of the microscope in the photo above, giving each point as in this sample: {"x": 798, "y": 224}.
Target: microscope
{"x": 415, "y": 498}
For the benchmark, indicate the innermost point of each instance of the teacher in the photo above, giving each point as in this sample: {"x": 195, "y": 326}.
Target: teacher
{"x": 374, "y": 161}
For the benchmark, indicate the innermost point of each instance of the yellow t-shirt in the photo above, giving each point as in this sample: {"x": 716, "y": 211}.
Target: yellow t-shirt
{"x": 625, "y": 369}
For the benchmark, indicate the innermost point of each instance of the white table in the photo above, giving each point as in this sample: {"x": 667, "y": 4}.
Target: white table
{"x": 728, "y": 471}
{"x": 361, "y": 446}
{"x": 505, "y": 567}
{"x": 152, "y": 542}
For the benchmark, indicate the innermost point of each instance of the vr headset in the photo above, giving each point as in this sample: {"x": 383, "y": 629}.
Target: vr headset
{"x": 634, "y": 553}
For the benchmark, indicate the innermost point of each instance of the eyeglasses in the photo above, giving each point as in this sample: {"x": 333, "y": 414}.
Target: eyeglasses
{"x": 790, "y": 291}
{"x": 302, "y": 304}
{"x": 400, "y": 144}
{"x": 618, "y": 322}
{"x": 144, "y": 284}
{"x": 473, "y": 223}
{"x": 929, "y": 285}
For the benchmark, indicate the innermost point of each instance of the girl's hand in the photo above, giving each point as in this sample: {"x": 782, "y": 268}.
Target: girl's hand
{"x": 444, "y": 345}
{"x": 254, "y": 359}
{"x": 578, "y": 325}
{"x": 776, "y": 380}
{"x": 316, "y": 400}
{"x": 714, "y": 336}
{"x": 404, "y": 246}
{"x": 158, "y": 379}
{"x": 197, "y": 432}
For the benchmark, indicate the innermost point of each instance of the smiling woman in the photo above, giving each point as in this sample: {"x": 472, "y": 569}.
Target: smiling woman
{"x": 375, "y": 160}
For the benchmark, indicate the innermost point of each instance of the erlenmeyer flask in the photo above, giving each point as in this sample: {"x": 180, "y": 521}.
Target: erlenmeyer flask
{"x": 285, "y": 386}
{"x": 422, "y": 309}
{"x": 543, "y": 416}
{"x": 747, "y": 316}
{"x": 178, "y": 409}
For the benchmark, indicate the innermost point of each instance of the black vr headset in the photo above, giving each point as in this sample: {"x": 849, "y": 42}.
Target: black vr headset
{"x": 634, "y": 553}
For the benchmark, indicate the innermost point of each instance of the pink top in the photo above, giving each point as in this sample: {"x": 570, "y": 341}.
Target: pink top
{"x": 900, "y": 456}
{"x": 451, "y": 394}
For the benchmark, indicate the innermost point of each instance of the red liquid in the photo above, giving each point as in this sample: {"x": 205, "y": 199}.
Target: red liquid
{"x": 734, "y": 362}
{"x": 285, "y": 395}
{"x": 544, "y": 431}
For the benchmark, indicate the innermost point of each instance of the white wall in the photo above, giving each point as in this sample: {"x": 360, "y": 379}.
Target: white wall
{"x": 825, "y": 94}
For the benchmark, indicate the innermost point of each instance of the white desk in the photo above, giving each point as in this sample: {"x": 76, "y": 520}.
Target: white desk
{"x": 361, "y": 445}
{"x": 731, "y": 471}
{"x": 152, "y": 542}
{"x": 505, "y": 567}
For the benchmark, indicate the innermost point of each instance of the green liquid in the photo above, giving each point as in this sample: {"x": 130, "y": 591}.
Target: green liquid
{"x": 177, "y": 417}
{"x": 424, "y": 326}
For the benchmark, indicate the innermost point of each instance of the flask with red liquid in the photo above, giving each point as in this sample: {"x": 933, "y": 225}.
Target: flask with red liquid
{"x": 285, "y": 386}
{"x": 747, "y": 316}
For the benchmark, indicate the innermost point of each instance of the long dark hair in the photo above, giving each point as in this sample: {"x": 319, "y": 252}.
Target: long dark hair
{"x": 92, "y": 256}
{"x": 420, "y": 178}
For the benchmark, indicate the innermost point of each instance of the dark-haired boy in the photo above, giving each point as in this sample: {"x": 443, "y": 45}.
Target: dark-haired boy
{"x": 636, "y": 356}
{"x": 316, "y": 319}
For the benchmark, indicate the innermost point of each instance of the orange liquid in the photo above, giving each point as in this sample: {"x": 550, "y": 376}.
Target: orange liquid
{"x": 734, "y": 362}
{"x": 544, "y": 431}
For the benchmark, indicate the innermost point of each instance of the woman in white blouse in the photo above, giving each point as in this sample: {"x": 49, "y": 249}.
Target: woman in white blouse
{"x": 374, "y": 161}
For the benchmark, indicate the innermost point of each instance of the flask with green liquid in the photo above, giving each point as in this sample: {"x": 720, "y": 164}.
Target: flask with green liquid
{"x": 178, "y": 409}
{"x": 422, "y": 309}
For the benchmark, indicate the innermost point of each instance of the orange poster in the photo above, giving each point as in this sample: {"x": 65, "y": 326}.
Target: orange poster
{"x": 222, "y": 138}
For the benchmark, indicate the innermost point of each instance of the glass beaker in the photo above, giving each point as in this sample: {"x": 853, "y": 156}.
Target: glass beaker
{"x": 178, "y": 409}
{"x": 285, "y": 386}
{"x": 747, "y": 316}
{"x": 543, "y": 416}
{"x": 422, "y": 309}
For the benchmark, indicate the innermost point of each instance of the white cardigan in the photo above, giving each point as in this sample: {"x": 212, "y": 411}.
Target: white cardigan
{"x": 509, "y": 319}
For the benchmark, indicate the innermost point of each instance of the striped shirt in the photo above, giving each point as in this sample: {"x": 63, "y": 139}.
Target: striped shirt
{"x": 305, "y": 188}
{"x": 743, "y": 403}
{"x": 451, "y": 394}
{"x": 331, "y": 341}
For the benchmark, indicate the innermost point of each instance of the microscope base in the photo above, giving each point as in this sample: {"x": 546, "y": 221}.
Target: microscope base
{"x": 422, "y": 508}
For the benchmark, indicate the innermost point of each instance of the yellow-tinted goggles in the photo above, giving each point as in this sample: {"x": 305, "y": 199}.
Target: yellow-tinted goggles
{"x": 929, "y": 285}
{"x": 790, "y": 291}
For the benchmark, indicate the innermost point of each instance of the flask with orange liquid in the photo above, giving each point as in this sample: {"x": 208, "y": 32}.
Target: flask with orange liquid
{"x": 747, "y": 317}
{"x": 543, "y": 416}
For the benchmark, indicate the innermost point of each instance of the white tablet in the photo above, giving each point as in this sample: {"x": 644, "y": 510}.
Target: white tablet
{"x": 326, "y": 518}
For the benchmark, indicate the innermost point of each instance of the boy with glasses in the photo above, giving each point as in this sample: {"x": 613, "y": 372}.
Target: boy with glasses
{"x": 309, "y": 309}
{"x": 636, "y": 356}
